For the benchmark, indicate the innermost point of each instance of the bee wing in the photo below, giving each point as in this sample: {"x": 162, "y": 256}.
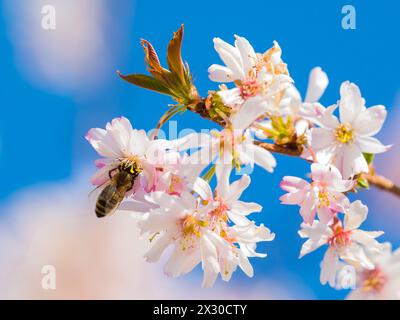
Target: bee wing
{"x": 96, "y": 191}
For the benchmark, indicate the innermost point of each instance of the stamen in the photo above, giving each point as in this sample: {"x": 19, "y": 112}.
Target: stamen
{"x": 249, "y": 88}
{"x": 373, "y": 280}
{"x": 341, "y": 237}
{"x": 344, "y": 133}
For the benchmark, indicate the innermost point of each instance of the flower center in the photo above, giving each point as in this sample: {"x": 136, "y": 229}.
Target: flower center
{"x": 249, "y": 88}
{"x": 323, "y": 199}
{"x": 341, "y": 237}
{"x": 373, "y": 280}
{"x": 191, "y": 226}
{"x": 220, "y": 211}
{"x": 344, "y": 133}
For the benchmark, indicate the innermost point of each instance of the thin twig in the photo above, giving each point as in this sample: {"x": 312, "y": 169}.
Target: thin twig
{"x": 382, "y": 183}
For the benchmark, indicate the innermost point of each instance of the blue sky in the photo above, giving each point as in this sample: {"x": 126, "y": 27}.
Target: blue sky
{"x": 42, "y": 127}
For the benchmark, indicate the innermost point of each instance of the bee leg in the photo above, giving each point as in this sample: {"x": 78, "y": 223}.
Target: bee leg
{"x": 110, "y": 172}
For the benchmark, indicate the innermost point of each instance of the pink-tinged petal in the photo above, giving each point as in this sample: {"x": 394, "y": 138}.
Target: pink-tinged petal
{"x": 370, "y": 121}
{"x": 317, "y": 83}
{"x": 237, "y": 187}
{"x": 101, "y": 176}
{"x": 218, "y": 73}
{"x": 329, "y": 267}
{"x": 95, "y": 134}
{"x": 100, "y": 163}
{"x": 323, "y": 173}
{"x": 149, "y": 174}
{"x": 247, "y": 54}
{"x": 371, "y": 145}
{"x": 293, "y": 184}
{"x": 251, "y": 110}
{"x": 101, "y": 142}
{"x": 308, "y": 209}
{"x": 331, "y": 177}
{"x": 338, "y": 202}
{"x": 293, "y": 198}
{"x": 351, "y": 102}
{"x": 356, "y": 215}
{"x": 326, "y": 214}
{"x": 321, "y": 138}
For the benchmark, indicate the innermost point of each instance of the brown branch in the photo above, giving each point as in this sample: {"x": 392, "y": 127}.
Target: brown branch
{"x": 382, "y": 183}
{"x": 374, "y": 179}
{"x": 294, "y": 151}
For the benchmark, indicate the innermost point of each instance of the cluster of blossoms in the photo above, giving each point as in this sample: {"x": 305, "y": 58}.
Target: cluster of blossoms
{"x": 178, "y": 204}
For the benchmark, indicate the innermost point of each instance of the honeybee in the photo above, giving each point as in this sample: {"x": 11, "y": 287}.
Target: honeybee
{"x": 122, "y": 179}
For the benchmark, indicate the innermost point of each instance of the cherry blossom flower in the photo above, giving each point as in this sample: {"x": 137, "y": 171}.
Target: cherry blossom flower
{"x": 232, "y": 144}
{"x": 383, "y": 281}
{"x": 172, "y": 198}
{"x": 345, "y": 241}
{"x": 199, "y": 235}
{"x": 225, "y": 200}
{"x": 259, "y": 78}
{"x": 119, "y": 142}
{"x": 323, "y": 196}
{"x": 343, "y": 143}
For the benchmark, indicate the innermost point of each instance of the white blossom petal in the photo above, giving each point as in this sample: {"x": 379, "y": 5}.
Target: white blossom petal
{"x": 317, "y": 83}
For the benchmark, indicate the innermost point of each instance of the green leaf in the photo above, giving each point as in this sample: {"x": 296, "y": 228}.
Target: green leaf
{"x": 369, "y": 157}
{"x": 174, "y": 57}
{"x": 146, "y": 82}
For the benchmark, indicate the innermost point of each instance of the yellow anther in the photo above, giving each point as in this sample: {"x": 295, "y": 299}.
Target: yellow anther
{"x": 344, "y": 133}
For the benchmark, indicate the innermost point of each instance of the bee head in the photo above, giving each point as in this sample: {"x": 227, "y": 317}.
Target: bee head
{"x": 131, "y": 167}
